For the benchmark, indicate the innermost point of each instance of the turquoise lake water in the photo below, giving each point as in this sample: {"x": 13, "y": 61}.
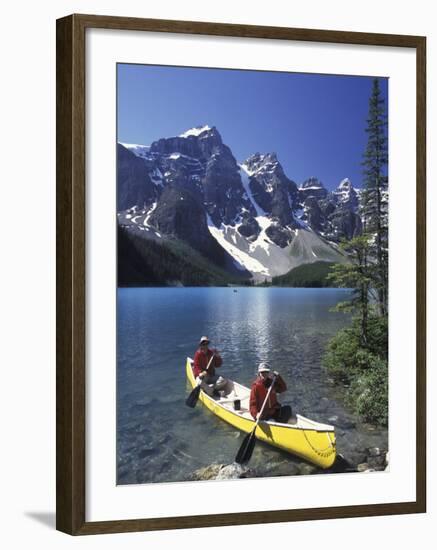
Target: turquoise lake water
{"x": 160, "y": 439}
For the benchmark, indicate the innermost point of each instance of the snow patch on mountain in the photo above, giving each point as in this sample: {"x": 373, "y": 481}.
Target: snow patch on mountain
{"x": 195, "y": 131}
{"x": 263, "y": 258}
{"x": 262, "y": 240}
{"x": 311, "y": 183}
{"x": 243, "y": 258}
{"x": 142, "y": 151}
{"x": 148, "y": 214}
{"x": 245, "y": 174}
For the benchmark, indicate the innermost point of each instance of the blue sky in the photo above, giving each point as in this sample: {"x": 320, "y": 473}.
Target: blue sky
{"x": 315, "y": 123}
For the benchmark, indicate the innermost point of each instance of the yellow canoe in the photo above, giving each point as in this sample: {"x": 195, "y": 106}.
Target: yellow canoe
{"x": 312, "y": 441}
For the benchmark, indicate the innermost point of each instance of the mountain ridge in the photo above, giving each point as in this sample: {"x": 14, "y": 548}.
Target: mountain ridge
{"x": 192, "y": 188}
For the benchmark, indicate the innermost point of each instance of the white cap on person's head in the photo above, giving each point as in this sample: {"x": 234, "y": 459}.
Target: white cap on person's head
{"x": 204, "y": 340}
{"x": 264, "y": 367}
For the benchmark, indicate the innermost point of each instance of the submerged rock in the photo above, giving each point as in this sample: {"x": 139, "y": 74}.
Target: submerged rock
{"x": 283, "y": 468}
{"x": 375, "y": 451}
{"x": 377, "y": 458}
{"x": 234, "y": 471}
{"x": 355, "y": 458}
{"x": 222, "y": 471}
{"x": 206, "y": 473}
{"x": 377, "y": 462}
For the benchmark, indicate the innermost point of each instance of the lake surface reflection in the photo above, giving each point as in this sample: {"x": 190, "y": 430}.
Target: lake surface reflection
{"x": 159, "y": 439}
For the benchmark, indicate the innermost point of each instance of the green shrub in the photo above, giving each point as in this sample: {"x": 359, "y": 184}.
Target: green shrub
{"x": 369, "y": 393}
{"x": 364, "y": 368}
{"x": 377, "y": 335}
{"x": 340, "y": 356}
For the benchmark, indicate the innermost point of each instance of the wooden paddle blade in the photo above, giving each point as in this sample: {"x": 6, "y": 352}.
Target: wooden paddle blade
{"x": 245, "y": 451}
{"x": 192, "y": 399}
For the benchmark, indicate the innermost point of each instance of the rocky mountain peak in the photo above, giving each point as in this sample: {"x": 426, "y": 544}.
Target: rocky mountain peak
{"x": 346, "y": 195}
{"x": 273, "y": 192}
{"x": 198, "y": 143}
{"x": 345, "y": 185}
{"x": 261, "y": 162}
{"x": 311, "y": 183}
{"x": 190, "y": 188}
{"x": 312, "y": 187}
{"x": 135, "y": 185}
{"x": 199, "y": 130}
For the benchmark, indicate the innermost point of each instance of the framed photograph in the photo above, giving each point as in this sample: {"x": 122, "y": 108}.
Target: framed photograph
{"x": 240, "y": 274}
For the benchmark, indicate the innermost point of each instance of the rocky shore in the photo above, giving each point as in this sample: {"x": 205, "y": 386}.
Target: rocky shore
{"x": 376, "y": 460}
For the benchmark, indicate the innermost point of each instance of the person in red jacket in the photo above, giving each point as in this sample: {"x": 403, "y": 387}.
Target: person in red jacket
{"x": 258, "y": 392}
{"x": 210, "y": 383}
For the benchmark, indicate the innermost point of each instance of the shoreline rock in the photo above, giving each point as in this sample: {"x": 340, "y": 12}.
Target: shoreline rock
{"x": 221, "y": 472}
{"x": 377, "y": 460}
{"x": 373, "y": 459}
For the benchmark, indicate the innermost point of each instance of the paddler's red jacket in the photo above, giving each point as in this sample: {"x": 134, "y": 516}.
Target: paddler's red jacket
{"x": 258, "y": 392}
{"x": 201, "y": 361}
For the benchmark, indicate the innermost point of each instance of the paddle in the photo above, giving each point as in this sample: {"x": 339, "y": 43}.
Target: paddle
{"x": 192, "y": 399}
{"x": 246, "y": 449}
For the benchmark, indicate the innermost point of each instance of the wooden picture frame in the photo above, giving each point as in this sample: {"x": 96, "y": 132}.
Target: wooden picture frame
{"x": 71, "y": 254}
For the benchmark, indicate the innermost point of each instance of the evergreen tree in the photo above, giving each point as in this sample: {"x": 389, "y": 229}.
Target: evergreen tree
{"x": 375, "y": 193}
{"x": 358, "y": 275}
{"x": 359, "y": 354}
